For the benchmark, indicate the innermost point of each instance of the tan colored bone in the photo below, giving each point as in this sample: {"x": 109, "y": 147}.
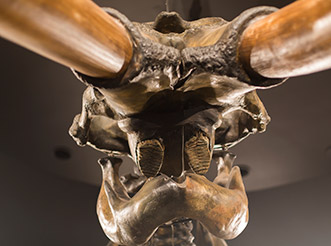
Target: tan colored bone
{"x": 222, "y": 210}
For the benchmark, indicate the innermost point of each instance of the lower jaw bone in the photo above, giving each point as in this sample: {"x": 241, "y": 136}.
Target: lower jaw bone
{"x": 132, "y": 221}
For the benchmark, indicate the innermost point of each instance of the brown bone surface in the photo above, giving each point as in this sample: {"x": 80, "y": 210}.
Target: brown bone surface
{"x": 188, "y": 81}
{"x": 132, "y": 221}
{"x": 169, "y": 94}
{"x": 183, "y": 96}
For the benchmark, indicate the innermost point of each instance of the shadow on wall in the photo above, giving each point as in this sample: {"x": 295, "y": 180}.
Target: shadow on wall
{"x": 40, "y": 209}
{"x": 291, "y": 215}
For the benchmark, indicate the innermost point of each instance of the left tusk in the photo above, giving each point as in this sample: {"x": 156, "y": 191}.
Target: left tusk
{"x": 293, "y": 41}
{"x": 75, "y": 33}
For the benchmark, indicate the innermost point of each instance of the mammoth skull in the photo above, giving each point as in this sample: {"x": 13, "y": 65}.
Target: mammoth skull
{"x": 183, "y": 101}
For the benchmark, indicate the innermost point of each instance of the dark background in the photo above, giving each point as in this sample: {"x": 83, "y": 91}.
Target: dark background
{"x": 49, "y": 186}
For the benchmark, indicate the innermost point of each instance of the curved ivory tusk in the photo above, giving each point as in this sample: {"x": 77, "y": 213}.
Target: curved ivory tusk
{"x": 222, "y": 210}
{"x": 293, "y": 41}
{"x": 76, "y": 34}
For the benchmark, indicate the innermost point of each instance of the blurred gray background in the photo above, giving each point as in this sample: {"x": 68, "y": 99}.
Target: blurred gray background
{"x": 49, "y": 186}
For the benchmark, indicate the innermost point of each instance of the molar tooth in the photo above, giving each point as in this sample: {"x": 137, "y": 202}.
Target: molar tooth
{"x": 149, "y": 156}
{"x": 198, "y": 153}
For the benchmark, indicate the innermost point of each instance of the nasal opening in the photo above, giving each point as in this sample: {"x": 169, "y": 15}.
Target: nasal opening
{"x": 167, "y": 22}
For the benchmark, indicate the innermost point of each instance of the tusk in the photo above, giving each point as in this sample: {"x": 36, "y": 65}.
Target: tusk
{"x": 222, "y": 210}
{"x": 293, "y": 41}
{"x": 76, "y": 33}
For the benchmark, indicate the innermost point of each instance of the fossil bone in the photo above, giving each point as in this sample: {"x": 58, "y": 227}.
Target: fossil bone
{"x": 178, "y": 101}
{"x": 150, "y": 156}
{"x": 222, "y": 210}
{"x": 184, "y": 71}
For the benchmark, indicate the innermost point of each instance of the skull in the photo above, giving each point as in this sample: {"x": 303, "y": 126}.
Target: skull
{"x": 183, "y": 101}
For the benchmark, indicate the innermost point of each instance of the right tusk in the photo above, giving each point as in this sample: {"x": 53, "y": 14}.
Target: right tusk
{"x": 294, "y": 41}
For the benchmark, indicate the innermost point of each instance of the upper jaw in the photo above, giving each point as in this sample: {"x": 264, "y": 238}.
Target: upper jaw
{"x": 170, "y": 145}
{"x": 223, "y": 210}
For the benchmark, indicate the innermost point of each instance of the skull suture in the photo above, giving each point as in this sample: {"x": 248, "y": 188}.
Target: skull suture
{"x": 184, "y": 100}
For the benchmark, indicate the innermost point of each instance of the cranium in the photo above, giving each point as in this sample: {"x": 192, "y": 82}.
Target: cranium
{"x": 184, "y": 100}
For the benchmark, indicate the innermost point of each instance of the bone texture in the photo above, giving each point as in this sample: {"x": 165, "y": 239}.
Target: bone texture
{"x": 198, "y": 152}
{"x": 183, "y": 96}
{"x": 222, "y": 210}
{"x": 150, "y": 157}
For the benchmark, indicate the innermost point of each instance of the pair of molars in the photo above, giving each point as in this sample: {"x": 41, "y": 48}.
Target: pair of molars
{"x": 150, "y": 154}
{"x": 223, "y": 210}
